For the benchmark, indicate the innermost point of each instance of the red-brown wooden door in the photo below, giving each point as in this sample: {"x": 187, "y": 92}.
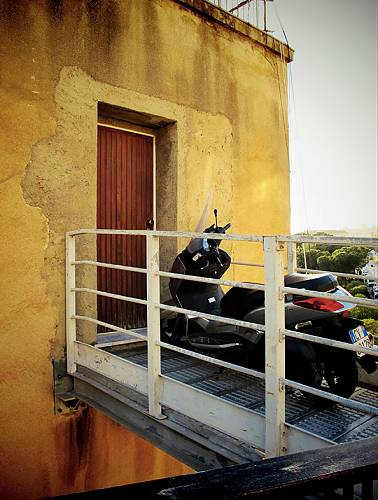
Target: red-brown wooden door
{"x": 124, "y": 201}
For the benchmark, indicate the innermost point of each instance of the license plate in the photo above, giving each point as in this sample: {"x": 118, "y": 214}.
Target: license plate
{"x": 360, "y": 336}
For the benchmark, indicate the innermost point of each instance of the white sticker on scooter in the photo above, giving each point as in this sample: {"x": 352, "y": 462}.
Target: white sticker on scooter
{"x": 211, "y": 299}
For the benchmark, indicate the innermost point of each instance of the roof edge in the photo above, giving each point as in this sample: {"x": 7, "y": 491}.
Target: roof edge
{"x": 213, "y": 13}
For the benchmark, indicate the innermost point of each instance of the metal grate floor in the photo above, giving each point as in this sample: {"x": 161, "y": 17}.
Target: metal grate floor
{"x": 332, "y": 421}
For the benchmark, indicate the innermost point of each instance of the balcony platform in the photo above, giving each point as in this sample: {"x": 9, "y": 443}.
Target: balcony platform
{"x": 214, "y": 416}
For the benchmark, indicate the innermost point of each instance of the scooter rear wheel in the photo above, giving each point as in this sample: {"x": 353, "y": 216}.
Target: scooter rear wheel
{"x": 302, "y": 364}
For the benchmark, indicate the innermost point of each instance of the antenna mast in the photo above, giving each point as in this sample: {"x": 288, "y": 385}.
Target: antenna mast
{"x": 264, "y": 15}
{"x": 245, "y": 2}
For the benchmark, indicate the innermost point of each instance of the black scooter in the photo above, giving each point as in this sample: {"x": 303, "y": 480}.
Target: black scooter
{"x": 311, "y": 364}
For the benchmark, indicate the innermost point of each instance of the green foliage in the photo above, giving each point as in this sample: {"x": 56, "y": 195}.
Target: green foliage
{"x": 325, "y": 262}
{"x": 352, "y": 283}
{"x": 360, "y": 290}
{"x": 313, "y": 256}
{"x": 364, "y": 313}
{"x": 331, "y": 258}
{"x": 371, "y": 326}
{"x": 346, "y": 259}
{"x": 343, "y": 260}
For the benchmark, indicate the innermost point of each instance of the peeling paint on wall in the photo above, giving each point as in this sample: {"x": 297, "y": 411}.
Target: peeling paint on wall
{"x": 225, "y": 99}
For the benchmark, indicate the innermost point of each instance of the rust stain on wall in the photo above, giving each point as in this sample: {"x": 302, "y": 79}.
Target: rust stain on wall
{"x": 99, "y": 452}
{"x": 56, "y": 8}
{"x": 74, "y": 435}
{"x": 62, "y": 58}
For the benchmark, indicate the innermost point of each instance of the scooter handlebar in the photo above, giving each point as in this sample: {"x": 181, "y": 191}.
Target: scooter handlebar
{"x": 218, "y": 230}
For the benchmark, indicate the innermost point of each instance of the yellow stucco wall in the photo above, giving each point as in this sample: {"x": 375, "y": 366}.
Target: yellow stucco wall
{"x": 226, "y": 94}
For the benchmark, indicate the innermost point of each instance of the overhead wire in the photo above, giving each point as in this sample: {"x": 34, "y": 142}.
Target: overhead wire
{"x": 298, "y": 172}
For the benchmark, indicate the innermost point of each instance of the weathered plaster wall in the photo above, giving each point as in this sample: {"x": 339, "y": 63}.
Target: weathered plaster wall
{"x": 227, "y": 96}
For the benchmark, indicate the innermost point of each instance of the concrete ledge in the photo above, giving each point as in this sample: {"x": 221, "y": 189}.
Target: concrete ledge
{"x": 215, "y": 14}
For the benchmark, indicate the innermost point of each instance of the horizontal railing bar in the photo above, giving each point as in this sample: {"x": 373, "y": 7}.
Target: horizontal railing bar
{"x": 110, "y": 266}
{"x": 108, "y": 325}
{"x": 350, "y": 403}
{"x": 212, "y": 360}
{"x": 329, "y": 342}
{"x": 188, "y": 277}
{"x": 134, "y": 300}
{"x": 236, "y": 237}
{"x": 102, "y": 345}
{"x": 198, "y": 314}
{"x": 170, "y": 234}
{"x": 331, "y": 240}
{"x": 112, "y": 333}
{"x": 251, "y": 264}
{"x": 340, "y": 275}
{"x": 324, "y": 295}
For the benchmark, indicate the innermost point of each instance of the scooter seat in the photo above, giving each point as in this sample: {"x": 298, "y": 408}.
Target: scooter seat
{"x": 315, "y": 282}
{"x": 237, "y": 302}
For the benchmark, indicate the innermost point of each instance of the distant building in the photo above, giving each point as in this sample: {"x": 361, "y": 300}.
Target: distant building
{"x": 370, "y": 271}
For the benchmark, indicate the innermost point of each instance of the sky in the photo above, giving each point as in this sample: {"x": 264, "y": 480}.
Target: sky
{"x": 332, "y": 110}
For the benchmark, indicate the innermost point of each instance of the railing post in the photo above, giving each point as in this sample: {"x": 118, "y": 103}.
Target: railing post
{"x": 291, "y": 257}
{"x": 70, "y": 303}
{"x": 274, "y": 348}
{"x": 153, "y": 327}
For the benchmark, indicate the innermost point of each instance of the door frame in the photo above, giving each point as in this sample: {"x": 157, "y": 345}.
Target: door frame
{"x": 129, "y": 128}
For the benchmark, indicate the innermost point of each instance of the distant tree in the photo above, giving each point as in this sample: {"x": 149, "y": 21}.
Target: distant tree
{"x": 328, "y": 258}
{"x": 346, "y": 259}
{"x": 312, "y": 258}
{"x": 321, "y": 233}
{"x": 325, "y": 247}
{"x": 325, "y": 262}
{"x": 300, "y": 258}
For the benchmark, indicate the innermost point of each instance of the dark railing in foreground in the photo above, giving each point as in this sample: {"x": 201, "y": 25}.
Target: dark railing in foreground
{"x": 351, "y": 469}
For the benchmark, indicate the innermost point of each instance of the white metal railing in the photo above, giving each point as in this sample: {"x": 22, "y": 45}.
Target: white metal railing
{"x": 275, "y": 248}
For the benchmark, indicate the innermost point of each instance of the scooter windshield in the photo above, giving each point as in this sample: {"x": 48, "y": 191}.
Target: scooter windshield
{"x": 197, "y": 244}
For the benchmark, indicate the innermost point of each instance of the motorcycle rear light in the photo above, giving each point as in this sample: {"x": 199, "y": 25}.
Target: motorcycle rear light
{"x": 324, "y": 305}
